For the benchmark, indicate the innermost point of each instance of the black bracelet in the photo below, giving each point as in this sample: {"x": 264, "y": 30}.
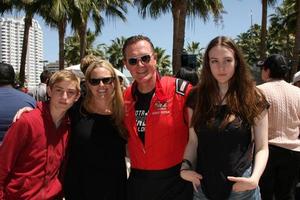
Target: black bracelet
{"x": 189, "y": 163}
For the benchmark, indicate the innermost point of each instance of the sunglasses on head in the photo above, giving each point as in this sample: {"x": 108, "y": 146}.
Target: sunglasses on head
{"x": 145, "y": 59}
{"x": 105, "y": 81}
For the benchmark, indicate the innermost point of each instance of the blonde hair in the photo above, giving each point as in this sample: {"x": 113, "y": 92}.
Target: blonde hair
{"x": 64, "y": 75}
{"x": 117, "y": 103}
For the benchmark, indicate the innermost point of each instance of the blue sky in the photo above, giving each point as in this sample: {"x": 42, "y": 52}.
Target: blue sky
{"x": 236, "y": 21}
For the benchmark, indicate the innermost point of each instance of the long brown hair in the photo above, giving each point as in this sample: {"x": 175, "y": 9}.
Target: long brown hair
{"x": 242, "y": 97}
{"x": 117, "y": 103}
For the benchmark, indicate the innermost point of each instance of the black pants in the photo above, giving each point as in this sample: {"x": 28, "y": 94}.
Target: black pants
{"x": 281, "y": 174}
{"x": 158, "y": 185}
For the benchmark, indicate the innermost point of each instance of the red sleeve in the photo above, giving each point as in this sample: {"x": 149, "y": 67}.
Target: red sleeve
{"x": 12, "y": 145}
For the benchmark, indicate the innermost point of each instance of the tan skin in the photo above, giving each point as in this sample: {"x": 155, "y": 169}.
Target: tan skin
{"x": 143, "y": 73}
{"x": 63, "y": 95}
{"x": 101, "y": 93}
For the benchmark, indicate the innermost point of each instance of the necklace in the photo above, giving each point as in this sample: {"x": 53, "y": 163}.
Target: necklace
{"x": 103, "y": 111}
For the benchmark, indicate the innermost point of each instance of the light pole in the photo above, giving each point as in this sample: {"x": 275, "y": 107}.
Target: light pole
{"x": 44, "y": 63}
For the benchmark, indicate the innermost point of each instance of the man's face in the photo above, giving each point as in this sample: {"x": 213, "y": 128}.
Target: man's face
{"x": 63, "y": 95}
{"x": 141, "y": 61}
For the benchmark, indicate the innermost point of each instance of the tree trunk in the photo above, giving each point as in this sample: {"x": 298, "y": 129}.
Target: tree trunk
{"x": 263, "y": 31}
{"x": 82, "y": 38}
{"x": 61, "y": 34}
{"x": 179, "y": 9}
{"x": 27, "y": 25}
{"x": 296, "y": 52}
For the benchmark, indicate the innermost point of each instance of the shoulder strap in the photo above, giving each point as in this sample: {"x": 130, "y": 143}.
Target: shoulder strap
{"x": 181, "y": 86}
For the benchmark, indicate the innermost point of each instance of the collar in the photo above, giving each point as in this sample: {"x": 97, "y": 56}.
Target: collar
{"x": 45, "y": 109}
{"x": 159, "y": 93}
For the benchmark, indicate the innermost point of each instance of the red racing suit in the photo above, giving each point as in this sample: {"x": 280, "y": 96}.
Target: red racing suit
{"x": 166, "y": 132}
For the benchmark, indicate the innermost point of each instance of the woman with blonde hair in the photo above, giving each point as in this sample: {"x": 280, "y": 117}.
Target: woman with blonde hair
{"x": 96, "y": 164}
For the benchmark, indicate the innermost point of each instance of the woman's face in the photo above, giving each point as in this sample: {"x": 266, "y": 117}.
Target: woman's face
{"x": 222, "y": 64}
{"x": 101, "y": 83}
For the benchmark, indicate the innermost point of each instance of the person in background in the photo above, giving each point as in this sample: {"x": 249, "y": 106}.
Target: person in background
{"x": 228, "y": 120}
{"x": 158, "y": 130}
{"x": 281, "y": 174}
{"x": 39, "y": 93}
{"x": 11, "y": 99}
{"x": 96, "y": 158}
{"x": 34, "y": 147}
{"x": 85, "y": 62}
{"x": 296, "y": 79}
{"x": 188, "y": 74}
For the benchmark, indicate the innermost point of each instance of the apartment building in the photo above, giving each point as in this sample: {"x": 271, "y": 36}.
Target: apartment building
{"x": 11, "y": 37}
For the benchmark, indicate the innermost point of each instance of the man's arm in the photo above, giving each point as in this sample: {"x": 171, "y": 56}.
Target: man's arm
{"x": 13, "y": 143}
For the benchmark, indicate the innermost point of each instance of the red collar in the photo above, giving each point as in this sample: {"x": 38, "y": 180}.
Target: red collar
{"x": 159, "y": 93}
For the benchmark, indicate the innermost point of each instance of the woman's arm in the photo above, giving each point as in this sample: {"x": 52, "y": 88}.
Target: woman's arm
{"x": 261, "y": 154}
{"x": 261, "y": 145}
{"x": 187, "y": 172}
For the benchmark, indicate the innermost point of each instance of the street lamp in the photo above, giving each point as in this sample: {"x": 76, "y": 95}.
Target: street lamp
{"x": 44, "y": 63}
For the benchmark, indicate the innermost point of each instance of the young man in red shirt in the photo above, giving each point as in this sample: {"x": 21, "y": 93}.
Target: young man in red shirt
{"x": 34, "y": 147}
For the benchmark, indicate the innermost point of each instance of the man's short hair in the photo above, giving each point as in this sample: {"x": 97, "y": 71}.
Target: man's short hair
{"x": 7, "y": 74}
{"x": 45, "y": 76}
{"x": 134, "y": 39}
{"x": 277, "y": 64}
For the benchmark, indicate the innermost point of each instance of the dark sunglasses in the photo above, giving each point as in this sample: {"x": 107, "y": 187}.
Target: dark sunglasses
{"x": 105, "y": 81}
{"x": 145, "y": 59}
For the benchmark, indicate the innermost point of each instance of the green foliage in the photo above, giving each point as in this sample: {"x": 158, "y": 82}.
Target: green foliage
{"x": 249, "y": 44}
{"x": 163, "y": 61}
{"x": 114, "y": 52}
{"x": 195, "y": 48}
{"x": 72, "y": 48}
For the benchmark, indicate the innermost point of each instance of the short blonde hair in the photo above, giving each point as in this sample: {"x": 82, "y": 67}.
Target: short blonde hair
{"x": 64, "y": 75}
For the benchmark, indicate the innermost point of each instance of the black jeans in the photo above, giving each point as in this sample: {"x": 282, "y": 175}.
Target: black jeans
{"x": 281, "y": 174}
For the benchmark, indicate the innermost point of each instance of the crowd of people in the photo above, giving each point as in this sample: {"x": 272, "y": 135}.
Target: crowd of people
{"x": 210, "y": 136}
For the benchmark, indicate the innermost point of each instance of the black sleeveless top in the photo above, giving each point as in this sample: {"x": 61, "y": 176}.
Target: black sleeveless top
{"x": 222, "y": 152}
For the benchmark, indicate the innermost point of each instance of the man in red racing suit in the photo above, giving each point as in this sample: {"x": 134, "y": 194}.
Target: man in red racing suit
{"x": 155, "y": 117}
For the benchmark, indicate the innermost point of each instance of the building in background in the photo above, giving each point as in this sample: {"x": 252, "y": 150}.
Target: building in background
{"x": 11, "y": 38}
{"x": 53, "y": 66}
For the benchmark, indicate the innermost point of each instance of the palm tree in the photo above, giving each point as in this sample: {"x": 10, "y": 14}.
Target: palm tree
{"x": 72, "y": 47}
{"x": 55, "y": 13}
{"x": 83, "y": 10}
{"x": 248, "y": 42}
{"x": 282, "y": 30}
{"x": 163, "y": 61}
{"x": 72, "y": 50}
{"x": 114, "y": 52}
{"x": 30, "y": 7}
{"x": 296, "y": 52}
{"x": 5, "y": 6}
{"x": 263, "y": 33}
{"x": 195, "y": 48}
{"x": 286, "y": 23}
{"x": 180, "y": 10}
